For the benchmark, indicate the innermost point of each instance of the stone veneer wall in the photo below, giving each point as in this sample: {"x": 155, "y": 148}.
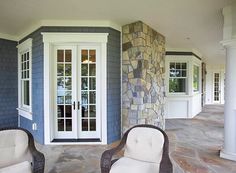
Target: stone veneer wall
{"x": 142, "y": 76}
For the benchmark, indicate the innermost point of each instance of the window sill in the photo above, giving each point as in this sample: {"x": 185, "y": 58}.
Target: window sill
{"x": 24, "y": 113}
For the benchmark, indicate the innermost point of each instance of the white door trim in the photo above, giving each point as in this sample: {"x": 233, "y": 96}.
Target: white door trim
{"x": 51, "y": 39}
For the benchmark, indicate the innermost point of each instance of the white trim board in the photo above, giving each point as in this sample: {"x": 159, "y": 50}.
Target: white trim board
{"x": 64, "y": 23}
{"x": 51, "y": 39}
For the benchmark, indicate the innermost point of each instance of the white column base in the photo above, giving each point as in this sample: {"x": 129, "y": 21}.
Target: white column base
{"x": 228, "y": 156}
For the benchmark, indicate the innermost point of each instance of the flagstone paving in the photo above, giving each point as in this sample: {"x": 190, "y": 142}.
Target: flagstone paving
{"x": 194, "y": 148}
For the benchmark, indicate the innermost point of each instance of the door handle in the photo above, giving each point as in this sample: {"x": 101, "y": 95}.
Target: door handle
{"x": 78, "y": 105}
{"x": 74, "y": 105}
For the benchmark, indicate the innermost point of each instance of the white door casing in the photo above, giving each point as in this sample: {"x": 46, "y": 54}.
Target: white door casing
{"x": 73, "y": 39}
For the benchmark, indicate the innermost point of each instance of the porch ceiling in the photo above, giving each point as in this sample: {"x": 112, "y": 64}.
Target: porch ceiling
{"x": 187, "y": 24}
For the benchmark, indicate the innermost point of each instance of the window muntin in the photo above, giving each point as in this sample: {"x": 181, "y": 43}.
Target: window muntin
{"x": 195, "y": 78}
{"x": 177, "y": 77}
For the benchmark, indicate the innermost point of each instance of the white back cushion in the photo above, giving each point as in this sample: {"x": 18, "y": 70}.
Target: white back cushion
{"x": 145, "y": 144}
{"x": 13, "y": 147}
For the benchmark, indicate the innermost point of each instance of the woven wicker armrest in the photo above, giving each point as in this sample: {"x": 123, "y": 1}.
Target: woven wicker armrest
{"x": 38, "y": 158}
{"x": 106, "y": 159}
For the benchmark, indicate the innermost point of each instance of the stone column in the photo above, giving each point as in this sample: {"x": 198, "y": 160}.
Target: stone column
{"x": 229, "y": 149}
{"x": 142, "y": 76}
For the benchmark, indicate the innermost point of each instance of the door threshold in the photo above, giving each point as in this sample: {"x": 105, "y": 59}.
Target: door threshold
{"x": 76, "y": 140}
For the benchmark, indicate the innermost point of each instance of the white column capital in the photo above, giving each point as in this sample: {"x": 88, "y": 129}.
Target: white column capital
{"x": 229, "y": 43}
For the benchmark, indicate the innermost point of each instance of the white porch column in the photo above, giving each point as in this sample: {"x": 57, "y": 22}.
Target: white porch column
{"x": 229, "y": 149}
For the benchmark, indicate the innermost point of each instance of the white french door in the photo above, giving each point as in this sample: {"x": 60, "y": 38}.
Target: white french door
{"x": 216, "y": 88}
{"x": 77, "y": 109}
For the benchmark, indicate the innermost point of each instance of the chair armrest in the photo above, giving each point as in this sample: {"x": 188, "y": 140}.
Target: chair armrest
{"x": 106, "y": 161}
{"x": 38, "y": 157}
{"x": 38, "y": 162}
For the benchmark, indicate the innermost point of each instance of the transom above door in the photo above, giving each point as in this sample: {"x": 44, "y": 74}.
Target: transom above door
{"x": 76, "y": 107}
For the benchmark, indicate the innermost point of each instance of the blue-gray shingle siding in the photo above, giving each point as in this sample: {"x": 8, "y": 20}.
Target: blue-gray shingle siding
{"x": 113, "y": 80}
{"x": 8, "y": 84}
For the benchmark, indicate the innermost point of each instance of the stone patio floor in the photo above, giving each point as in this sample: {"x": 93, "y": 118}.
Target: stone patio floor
{"x": 194, "y": 148}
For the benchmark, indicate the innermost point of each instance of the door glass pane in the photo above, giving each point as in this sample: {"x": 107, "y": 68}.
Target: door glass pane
{"x": 92, "y": 124}
{"x": 84, "y": 111}
{"x": 84, "y": 56}
{"x": 84, "y": 83}
{"x": 60, "y": 70}
{"x": 92, "y": 83}
{"x": 68, "y": 70}
{"x": 68, "y": 97}
{"x": 68, "y": 112}
{"x": 84, "y": 100}
{"x": 92, "y": 97}
{"x": 92, "y": 69}
{"x": 60, "y": 83}
{"x": 84, "y": 69}
{"x": 60, "y": 97}
{"x": 92, "y": 56}
{"x": 60, "y": 124}
{"x": 68, "y": 83}
{"x": 60, "y": 111}
{"x": 92, "y": 111}
{"x": 68, "y": 56}
{"x": 68, "y": 124}
{"x": 60, "y": 55}
{"x": 84, "y": 124}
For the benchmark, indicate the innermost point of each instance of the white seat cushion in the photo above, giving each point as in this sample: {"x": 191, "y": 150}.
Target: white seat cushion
{"x": 144, "y": 144}
{"x": 127, "y": 165}
{"x": 23, "y": 167}
{"x": 13, "y": 147}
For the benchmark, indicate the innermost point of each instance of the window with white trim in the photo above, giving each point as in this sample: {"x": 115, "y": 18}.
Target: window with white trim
{"x": 24, "y": 78}
{"x": 195, "y": 78}
{"x": 177, "y": 77}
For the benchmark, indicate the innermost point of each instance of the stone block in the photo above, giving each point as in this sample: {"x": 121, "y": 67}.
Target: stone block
{"x": 137, "y": 101}
{"x": 125, "y": 56}
{"x": 134, "y": 64}
{"x": 130, "y": 94}
{"x": 138, "y": 88}
{"x": 131, "y": 75}
{"x": 131, "y": 68}
{"x": 145, "y": 28}
{"x": 148, "y": 105}
{"x": 142, "y": 121}
{"x": 126, "y": 46}
{"x": 125, "y": 62}
{"x": 125, "y": 69}
{"x": 138, "y": 42}
{"x": 137, "y": 73}
{"x": 124, "y": 87}
{"x": 125, "y": 29}
{"x": 133, "y": 122}
{"x": 138, "y": 27}
{"x": 141, "y": 107}
{"x": 134, "y": 107}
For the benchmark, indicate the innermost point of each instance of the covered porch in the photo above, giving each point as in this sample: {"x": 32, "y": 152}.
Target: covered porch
{"x": 194, "y": 147}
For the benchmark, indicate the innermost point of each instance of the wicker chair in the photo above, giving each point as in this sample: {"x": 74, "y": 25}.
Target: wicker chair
{"x": 146, "y": 151}
{"x": 18, "y": 152}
